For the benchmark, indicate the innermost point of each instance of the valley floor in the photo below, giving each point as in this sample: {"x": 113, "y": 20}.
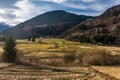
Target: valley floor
{"x": 46, "y": 50}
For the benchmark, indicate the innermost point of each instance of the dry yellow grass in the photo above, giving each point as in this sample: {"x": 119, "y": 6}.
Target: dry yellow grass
{"x": 33, "y": 47}
{"x": 113, "y": 71}
{"x": 113, "y": 50}
{"x": 45, "y": 54}
{"x": 47, "y": 49}
{"x": 4, "y": 65}
{"x": 64, "y": 46}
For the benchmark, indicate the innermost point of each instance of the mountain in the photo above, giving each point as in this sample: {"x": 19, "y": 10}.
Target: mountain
{"x": 104, "y": 28}
{"x": 4, "y": 26}
{"x": 51, "y": 23}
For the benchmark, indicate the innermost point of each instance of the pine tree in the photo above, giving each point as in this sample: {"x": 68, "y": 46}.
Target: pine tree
{"x": 29, "y": 38}
{"x": 10, "y": 50}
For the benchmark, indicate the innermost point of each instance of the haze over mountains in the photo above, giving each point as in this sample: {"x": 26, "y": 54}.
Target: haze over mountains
{"x": 52, "y": 23}
{"x": 4, "y": 26}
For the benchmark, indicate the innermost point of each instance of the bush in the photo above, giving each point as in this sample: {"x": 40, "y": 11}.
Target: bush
{"x": 33, "y": 39}
{"x": 98, "y": 58}
{"x": 56, "y": 45}
{"x": 40, "y": 41}
{"x": 69, "y": 58}
{"x": 105, "y": 39}
{"x": 10, "y": 50}
{"x": 2, "y": 38}
{"x": 29, "y": 38}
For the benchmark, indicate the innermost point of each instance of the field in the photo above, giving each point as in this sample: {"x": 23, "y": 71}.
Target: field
{"x": 44, "y": 60}
{"x": 112, "y": 71}
{"x": 61, "y": 45}
{"x": 21, "y": 72}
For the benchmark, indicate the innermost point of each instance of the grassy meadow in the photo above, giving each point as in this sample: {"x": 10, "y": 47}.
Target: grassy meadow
{"x": 53, "y": 51}
{"x": 60, "y": 59}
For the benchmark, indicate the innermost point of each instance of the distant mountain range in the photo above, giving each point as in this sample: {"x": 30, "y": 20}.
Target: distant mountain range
{"x": 104, "y": 28}
{"x": 107, "y": 24}
{"x": 52, "y": 24}
{"x": 4, "y": 26}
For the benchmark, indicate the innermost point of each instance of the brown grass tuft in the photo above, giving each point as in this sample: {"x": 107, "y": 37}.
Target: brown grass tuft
{"x": 98, "y": 58}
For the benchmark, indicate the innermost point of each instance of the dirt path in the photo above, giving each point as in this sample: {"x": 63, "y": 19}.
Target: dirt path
{"x": 21, "y": 72}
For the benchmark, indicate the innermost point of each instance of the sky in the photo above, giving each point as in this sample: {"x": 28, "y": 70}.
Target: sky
{"x": 14, "y": 12}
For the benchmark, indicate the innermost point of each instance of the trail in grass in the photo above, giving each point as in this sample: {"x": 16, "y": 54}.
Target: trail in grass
{"x": 21, "y": 72}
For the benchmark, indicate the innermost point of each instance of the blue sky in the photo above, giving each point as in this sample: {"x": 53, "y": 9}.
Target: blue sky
{"x": 15, "y": 11}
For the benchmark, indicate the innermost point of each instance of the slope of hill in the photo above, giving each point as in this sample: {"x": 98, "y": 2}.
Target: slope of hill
{"x": 102, "y": 27}
{"x": 51, "y": 23}
{"x": 4, "y": 26}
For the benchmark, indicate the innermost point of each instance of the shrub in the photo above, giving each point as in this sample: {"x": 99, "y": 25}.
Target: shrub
{"x": 33, "y": 39}
{"x": 2, "y": 38}
{"x": 105, "y": 39}
{"x": 84, "y": 39}
{"x": 40, "y": 41}
{"x": 98, "y": 58}
{"x": 56, "y": 45}
{"x": 10, "y": 50}
{"x": 69, "y": 58}
{"x": 29, "y": 38}
{"x": 115, "y": 59}
{"x": 80, "y": 56}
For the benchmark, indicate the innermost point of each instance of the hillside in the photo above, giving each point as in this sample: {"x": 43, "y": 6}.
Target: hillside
{"x": 4, "y": 26}
{"x": 51, "y": 23}
{"x": 104, "y": 27}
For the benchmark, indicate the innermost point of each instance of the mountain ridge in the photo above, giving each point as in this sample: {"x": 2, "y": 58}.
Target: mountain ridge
{"x": 4, "y": 26}
{"x": 105, "y": 24}
{"x": 51, "y": 23}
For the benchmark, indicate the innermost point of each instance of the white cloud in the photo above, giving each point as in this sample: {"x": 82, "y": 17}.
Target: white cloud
{"x": 57, "y": 1}
{"x": 87, "y": 1}
{"x": 82, "y": 6}
{"x": 28, "y": 10}
{"x": 61, "y": 1}
{"x": 25, "y": 11}
{"x": 96, "y": 7}
{"x": 7, "y": 16}
{"x": 2, "y": 11}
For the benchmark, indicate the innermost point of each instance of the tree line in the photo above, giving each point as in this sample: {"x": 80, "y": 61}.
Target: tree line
{"x": 104, "y": 39}
{"x": 30, "y": 38}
